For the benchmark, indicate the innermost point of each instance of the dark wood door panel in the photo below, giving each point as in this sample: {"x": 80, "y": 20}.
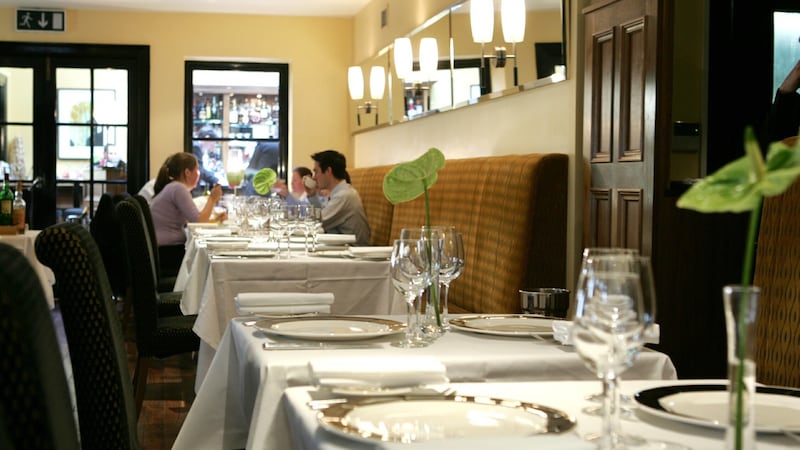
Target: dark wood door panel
{"x": 629, "y": 218}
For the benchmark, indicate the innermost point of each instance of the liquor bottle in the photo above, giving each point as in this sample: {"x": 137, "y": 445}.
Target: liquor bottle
{"x": 6, "y": 202}
{"x": 18, "y": 214}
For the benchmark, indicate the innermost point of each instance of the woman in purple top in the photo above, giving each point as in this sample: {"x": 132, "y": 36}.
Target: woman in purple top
{"x": 172, "y": 207}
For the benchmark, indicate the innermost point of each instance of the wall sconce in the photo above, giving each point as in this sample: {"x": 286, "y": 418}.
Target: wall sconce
{"x": 419, "y": 81}
{"x": 377, "y": 84}
{"x": 512, "y": 17}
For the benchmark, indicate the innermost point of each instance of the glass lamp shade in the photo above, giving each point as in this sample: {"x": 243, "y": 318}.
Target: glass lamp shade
{"x": 481, "y": 18}
{"x": 377, "y": 82}
{"x": 512, "y": 16}
{"x": 403, "y": 59}
{"x": 355, "y": 82}
{"x": 428, "y": 56}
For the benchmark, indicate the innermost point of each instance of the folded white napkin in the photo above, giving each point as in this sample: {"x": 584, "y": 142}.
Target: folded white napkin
{"x": 284, "y": 309}
{"x": 336, "y": 239}
{"x": 385, "y": 372}
{"x": 283, "y": 298}
{"x": 283, "y": 302}
{"x": 562, "y": 332}
{"x": 372, "y": 251}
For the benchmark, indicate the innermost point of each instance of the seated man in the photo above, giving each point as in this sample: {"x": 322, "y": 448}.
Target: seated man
{"x": 343, "y": 213}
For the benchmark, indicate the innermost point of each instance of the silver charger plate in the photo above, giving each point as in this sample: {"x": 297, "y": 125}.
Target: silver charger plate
{"x": 410, "y": 419}
{"x": 504, "y": 324}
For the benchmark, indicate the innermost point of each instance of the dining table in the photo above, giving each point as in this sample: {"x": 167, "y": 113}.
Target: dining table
{"x": 239, "y": 404}
{"x": 26, "y": 244}
{"x": 662, "y": 430}
{"x": 213, "y": 272}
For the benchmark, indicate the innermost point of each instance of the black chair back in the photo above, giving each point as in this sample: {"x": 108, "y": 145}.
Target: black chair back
{"x": 103, "y": 389}
{"x": 107, "y": 233}
{"x": 35, "y": 409}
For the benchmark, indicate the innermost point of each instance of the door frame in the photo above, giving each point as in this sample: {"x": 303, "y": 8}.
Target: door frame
{"x": 44, "y": 58}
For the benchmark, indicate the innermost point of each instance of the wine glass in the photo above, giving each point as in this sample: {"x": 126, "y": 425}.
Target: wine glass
{"x": 410, "y": 271}
{"x": 451, "y": 264}
{"x": 611, "y": 316}
{"x": 235, "y": 178}
{"x": 432, "y": 323}
{"x": 590, "y": 252}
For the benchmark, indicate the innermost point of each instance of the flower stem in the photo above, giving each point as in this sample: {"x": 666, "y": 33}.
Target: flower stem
{"x": 741, "y": 327}
{"x": 434, "y": 289}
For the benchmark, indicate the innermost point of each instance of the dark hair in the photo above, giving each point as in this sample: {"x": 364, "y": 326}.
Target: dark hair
{"x": 303, "y": 171}
{"x": 335, "y": 160}
{"x": 173, "y": 169}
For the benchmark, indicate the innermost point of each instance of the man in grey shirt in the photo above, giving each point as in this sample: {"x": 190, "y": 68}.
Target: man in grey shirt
{"x": 344, "y": 212}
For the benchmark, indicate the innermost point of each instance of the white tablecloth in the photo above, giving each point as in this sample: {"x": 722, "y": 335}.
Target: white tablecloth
{"x": 568, "y": 396}
{"x": 25, "y": 243}
{"x": 210, "y": 286}
{"x": 238, "y": 404}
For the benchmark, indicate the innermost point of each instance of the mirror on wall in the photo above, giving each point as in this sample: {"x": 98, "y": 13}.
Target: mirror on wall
{"x": 465, "y": 71}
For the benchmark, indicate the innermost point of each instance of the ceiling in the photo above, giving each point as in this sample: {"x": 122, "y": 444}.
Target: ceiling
{"x": 329, "y": 8}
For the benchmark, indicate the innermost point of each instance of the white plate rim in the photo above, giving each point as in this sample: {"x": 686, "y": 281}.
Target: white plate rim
{"x": 332, "y": 418}
{"x": 392, "y": 327}
{"x": 460, "y": 323}
{"x": 648, "y": 401}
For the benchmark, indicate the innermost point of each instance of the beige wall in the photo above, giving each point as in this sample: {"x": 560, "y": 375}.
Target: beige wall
{"x": 317, "y": 65}
{"x": 542, "y": 120}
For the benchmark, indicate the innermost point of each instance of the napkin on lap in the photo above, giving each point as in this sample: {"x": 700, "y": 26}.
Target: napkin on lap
{"x": 283, "y": 302}
{"x": 377, "y": 372}
{"x": 562, "y": 332}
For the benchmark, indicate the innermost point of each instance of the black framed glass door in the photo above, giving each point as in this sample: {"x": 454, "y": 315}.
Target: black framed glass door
{"x": 76, "y": 116}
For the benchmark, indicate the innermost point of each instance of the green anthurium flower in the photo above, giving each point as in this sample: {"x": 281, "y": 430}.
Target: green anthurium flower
{"x": 407, "y": 181}
{"x": 742, "y": 184}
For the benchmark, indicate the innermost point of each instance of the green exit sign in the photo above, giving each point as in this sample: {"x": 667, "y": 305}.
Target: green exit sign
{"x": 40, "y": 20}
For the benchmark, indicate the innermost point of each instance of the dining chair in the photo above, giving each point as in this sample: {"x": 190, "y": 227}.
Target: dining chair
{"x": 35, "y": 409}
{"x": 103, "y": 389}
{"x": 166, "y": 280}
{"x": 156, "y": 336}
{"x": 777, "y": 267}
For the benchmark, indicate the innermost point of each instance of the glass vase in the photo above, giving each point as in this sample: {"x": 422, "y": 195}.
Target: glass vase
{"x": 433, "y": 319}
{"x": 741, "y": 306}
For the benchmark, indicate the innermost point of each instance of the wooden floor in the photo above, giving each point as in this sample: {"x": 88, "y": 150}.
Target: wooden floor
{"x": 170, "y": 382}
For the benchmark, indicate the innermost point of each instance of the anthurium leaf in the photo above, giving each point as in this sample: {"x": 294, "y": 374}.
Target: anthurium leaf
{"x": 407, "y": 181}
{"x": 740, "y": 185}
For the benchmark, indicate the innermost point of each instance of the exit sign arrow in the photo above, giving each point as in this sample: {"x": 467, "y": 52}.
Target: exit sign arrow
{"x": 40, "y": 20}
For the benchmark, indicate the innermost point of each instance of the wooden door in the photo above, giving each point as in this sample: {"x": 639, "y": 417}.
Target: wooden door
{"x": 620, "y": 122}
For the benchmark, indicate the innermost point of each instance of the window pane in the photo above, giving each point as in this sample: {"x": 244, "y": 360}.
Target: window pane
{"x": 786, "y": 46}
{"x": 111, "y": 100}
{"x": 17, "y": 84}
{"x": 20, "y": 151}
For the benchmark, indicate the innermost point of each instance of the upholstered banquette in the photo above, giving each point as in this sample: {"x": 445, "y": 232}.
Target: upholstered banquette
{"x": 511, "y": 210}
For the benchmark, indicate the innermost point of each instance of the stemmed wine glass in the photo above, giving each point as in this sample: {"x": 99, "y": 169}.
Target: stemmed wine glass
{"x": 451, "y": 264}
{"x": 611, "y": 317}
{"x": 431, "y": 237}
{"x": 410, "y": 271}
{"x": 235, "y": 178}
{"x": 588, "y": 253}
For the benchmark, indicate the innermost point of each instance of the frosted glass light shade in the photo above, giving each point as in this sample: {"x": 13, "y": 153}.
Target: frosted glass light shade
{"x": 403, "y": 58}
{"x": 428, "y": 56}
{"x": 355, "y": 82}
{"x": 377, "y": 82}
{"x": 512, "y": 16}
{"x": 481, "y": 18}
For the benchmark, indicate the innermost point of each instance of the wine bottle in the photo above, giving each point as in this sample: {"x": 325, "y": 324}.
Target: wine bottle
{"x": 6, "y": 202}
{"x": 18, "y": 214}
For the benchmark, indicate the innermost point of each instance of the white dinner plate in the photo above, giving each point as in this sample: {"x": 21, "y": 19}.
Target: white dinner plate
{"x": 419, "y": 419}
{"x": 504, "y": 324}
{"x": 331, "y": 328}
{"x": 706, "y": 405}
